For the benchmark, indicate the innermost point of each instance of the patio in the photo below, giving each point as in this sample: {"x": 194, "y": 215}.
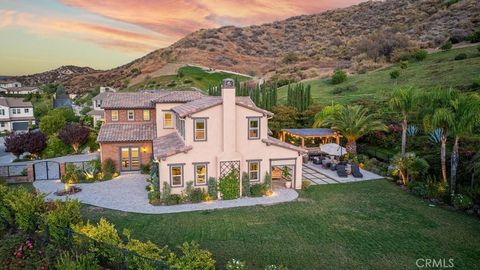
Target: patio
{"x": 316, "y": 174}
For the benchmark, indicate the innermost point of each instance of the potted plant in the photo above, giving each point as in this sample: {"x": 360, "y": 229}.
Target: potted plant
{"x": 287, "y": 177}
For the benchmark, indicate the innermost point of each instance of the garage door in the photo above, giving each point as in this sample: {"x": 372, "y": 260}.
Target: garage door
{"x": 20, "y": 126}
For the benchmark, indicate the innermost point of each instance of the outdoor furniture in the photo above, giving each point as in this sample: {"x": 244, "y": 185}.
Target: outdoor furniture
{"x": 318, "y": 160}
{"x": 333, "y": 166}
{"x": 356, "y": 171}
{"x": 341, "y": 171}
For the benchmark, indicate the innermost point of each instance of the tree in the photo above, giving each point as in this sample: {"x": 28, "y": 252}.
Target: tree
{"x": 325, "y": 113}
{"x": 404, "y": 102}
{"x": 67, "y": 113}
{"x": 35, "y": 143}
{"x": 410, "y": 166}
{"x": 284, "y": 117}
{"x": 15, "y": 143}
{"x": 339, "y": 76}
{"x": 466, "y": 116}
{"x": 299, "y": 96}
{"x": 75, "y": 135}
{"x": 52, "y": 124}
{"x": 446, "y": 46}
{"x": 439, "y": 113}
{"x": 354, "y": 122}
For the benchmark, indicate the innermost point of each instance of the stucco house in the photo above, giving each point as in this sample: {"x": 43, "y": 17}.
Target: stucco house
{"x": 193, "y": 137}
{"x": 19, "y": 90}
{"x": 6, "y": 83}
{"x": 15, "y": 114}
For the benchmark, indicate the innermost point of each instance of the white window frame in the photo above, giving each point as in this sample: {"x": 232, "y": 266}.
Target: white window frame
{"x": 164, "y": 120}
{"x": 26, "y": 110}
{"x": 116, "y": 117}
{"x": 250, "y": 120}
{"x": 250, "y": 162}
{"x": 195, "y": 166}
{"x": 195, "y": 129}
{"x": 2, "y": 111}
{"x": 148, "y": 114}
{"x": 172, "y": 166}
{"x": 132, "y": 114}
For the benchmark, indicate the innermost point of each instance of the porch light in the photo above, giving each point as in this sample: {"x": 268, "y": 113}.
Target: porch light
{"x": 144, "y": 149}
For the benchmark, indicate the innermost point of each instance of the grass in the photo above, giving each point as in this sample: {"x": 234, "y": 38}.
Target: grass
{"x": 438, "y": 69}
{"x": 365, "y": 225}
{"x": 191, "y": 77}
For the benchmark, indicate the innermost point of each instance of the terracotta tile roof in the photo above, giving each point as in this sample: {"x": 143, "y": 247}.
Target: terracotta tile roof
{"x": 277, "y": 142}
{"x": 147, "y": 98}
{"x": 169, "y": 145}
{"x": 101, "y": 96}
{"x": 209, "y": 101}
{"x": 15, "y": 102}
{"x": 126, "y": 132}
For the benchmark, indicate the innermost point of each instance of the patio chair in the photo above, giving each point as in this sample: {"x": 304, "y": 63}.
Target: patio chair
{"x": 333, "y": 166}
{"x": 356, "y": 171}
{"x": 341, "y": 171}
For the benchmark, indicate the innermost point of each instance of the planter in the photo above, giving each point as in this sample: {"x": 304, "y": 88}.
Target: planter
{"x": 288, "y": 184}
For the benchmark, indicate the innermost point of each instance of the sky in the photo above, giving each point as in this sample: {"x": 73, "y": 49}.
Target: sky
{"x": 39, "y": 35}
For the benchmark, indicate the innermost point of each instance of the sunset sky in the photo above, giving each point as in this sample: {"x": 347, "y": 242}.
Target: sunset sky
{"x": 39, "y": 35}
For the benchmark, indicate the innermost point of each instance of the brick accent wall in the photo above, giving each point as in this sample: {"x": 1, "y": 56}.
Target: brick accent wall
{"x": 122, "y": 116}
{"x": 112, "y": 151}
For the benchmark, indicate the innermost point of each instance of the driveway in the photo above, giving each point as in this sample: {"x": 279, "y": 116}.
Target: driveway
{"x": 127, "y": 193}
{"x": 5, "y": 157}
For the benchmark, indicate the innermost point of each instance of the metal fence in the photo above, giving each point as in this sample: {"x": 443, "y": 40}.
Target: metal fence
{"x": 13, "y": 170}
{"x": 80, "y": 164}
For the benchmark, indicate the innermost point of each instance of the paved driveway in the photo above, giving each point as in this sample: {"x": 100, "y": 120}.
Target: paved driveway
{"x": 5, "y": 157}
{"x": 127, "y": 193}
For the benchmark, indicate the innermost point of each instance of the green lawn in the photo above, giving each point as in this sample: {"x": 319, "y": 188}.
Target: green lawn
{"x": 192, "y": 77}
{"x": 438, "y": 69}
{"x": 365, "y": 225}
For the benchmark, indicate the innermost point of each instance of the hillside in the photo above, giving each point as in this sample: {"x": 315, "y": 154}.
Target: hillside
{"x": 304, "y": 46}
{"x": 61, "y": 74}
{"x": 439, "y": 69}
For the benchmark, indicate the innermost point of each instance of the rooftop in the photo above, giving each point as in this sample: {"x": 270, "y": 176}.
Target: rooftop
{"x": 22, "y": 88}
{"x": 310, "y": 132}
{"x": 169, "y": 145}
{"x": 126, "y": 132}
{"x": 209, "y": 101}
{"x": 147, "y": 99}
{"x": 15, "y": 102}
{"x": 270, "y": 140}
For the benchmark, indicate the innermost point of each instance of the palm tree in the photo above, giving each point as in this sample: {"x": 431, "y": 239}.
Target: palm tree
{"x": 466, "y": 118}
{"x": 404, "y": 101}
{"x": 439, "y": 113}
{"x": 325, "y": 113}
{"x": 354, "y": 122}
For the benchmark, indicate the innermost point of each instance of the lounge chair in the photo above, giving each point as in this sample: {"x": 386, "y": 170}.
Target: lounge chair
{"x": 356, "y": 171}
{"x": 341, "y": 171}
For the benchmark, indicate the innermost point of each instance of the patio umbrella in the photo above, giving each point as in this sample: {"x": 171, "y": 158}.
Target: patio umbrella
{"x": 333, "y": 149}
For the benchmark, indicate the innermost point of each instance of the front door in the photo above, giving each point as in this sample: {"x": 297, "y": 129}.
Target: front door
{"x": 130, "y": 158}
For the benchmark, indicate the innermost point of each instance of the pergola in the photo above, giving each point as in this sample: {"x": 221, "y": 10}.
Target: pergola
{"x": 326, "y": 135}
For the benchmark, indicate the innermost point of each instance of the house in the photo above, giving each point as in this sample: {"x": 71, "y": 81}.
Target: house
{"x": 19, "y": 90}
{"x": 193, "y": 137}
{"x": 107, "y": 89}
{"x": 97, "y": 111}
{"x": 7, "y": 83}
{"x": 15, "y": 114}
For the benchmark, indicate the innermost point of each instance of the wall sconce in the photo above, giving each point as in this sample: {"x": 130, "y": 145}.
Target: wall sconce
{"x": 144, "y": 149}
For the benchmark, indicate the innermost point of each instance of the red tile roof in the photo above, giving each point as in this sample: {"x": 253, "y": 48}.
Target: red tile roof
{"x": 147, "y": 99}
{"x": 169, "y": 145}
{"x": 126, "y": 132}
{"x": 277, "y": 142}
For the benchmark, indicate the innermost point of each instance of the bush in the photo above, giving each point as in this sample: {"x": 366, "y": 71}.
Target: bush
{"x": 27, "y": 208}
{"x": 197, "y": 195}
{"x": 108, "y": 169}
{"x": 306, "y": 184}
{"x": 73, "y": 174}
{"x": 475, "y": 37}
{"x": 461, "y": 56}
{"x": 245, "y": 185}
{"x": 345, "y": 89}
{"x": 257, "y": 190}
{"x": 59, "y": 219}
{"x": 192, "y": 258}
{"x": 56, "y": 148}
{"x": 154, "y": 197}
{"x": 166, "y": 191}
{"x": 235, "y": 265}
{"x": 145, "y": 249}
{"x": 6, "y": 214}
{"x": 394, "y": 74}
{"x": 267, "y": 181}
{"x": 67, "y": 261}
{"x": 462, "y": 202}
{"x": 446, "y": 46}
{"x": 173, "y": 199}
{"x": 404, "y": 64}
{"x": 420, "y": 55}
{"x": 145, "y": 168}
{"x": 229, "y": 186}
{"x": 339, "y": 76}
{"x": 212, "y": 188}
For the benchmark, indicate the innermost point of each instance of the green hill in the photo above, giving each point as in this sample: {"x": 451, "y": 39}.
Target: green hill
{"x": 438, "y": 69}
{"x": 187, "y": 76}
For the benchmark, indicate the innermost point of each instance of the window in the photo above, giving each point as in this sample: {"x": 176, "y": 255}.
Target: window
{"x": 254, "y": 170}
{"x": 146, "y": 115}
{"x": 26, "y": 110}
{"x": 200, "y": 126}
{"x": 2, "y": 124}
{"x": 114, "y": 115}
{"x": 181, "y": 126}
{"x": 130, "y": 115}
{"x": 200, "y": 174}
{"x": 2, "y": 111}
{"x": 176, "y": 175}
{"x": 167, "y": 120}
{"x": 254, "y": 128}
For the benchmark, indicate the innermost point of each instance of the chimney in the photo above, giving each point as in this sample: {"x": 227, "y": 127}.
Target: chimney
{"x": 229, "y": 116}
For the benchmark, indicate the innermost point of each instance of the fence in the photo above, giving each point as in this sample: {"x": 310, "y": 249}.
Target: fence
{"x": 378, "y": 154}
{"x": 13, "y": 170}
{"x": 80, "y": 164}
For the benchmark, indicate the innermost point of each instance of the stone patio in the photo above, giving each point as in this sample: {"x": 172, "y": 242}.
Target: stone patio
{"x": 127, "y": 193}
{"x": 316, "y": 174}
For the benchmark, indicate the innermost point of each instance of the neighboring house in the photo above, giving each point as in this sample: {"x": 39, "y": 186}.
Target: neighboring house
{"x": 107, "y": 89}
{"x": 97, "y": 110}
{"x": 21, "y": 90}
{"x": 193, "y": 137}
{"x": 7, "y": 83}
{"x": 62, "y": 101}
{"x": 15, "y": 114}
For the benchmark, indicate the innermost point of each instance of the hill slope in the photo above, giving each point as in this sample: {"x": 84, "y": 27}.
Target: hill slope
{"x": 438, "y": 69}
{"x": 300, "y": 46}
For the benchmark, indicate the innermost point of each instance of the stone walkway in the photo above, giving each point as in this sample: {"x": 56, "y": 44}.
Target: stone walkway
{"x": 127, "y": 193}
{"x": 320, "y": 176}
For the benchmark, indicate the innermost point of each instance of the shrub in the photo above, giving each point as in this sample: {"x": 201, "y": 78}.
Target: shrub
{"x": 404, "y": 64}
{"x": 27, "y": 208}
{"x": 15, "y": 143}
{"x": 173, "y": 199}
{"x": 446, "y": 46}
{"x": 166, "y": 191}
{"x": 108, "y": 169}
{"x": 72, "y": 174}
{"x": 235, "y": 265}
{"x": 197, "y": 195}
{"x": 306, "y": 184}
{"x": 267, "y": 181}
{"x": 257, "y": 190}
{"x": 345, "y": 89}
{"x": 245, "y": 185}
{"x": 394, "y": 74}
{"x": 52, "y": 124}
{"x": 154, "y": 197}
{"x": 189, "y": 190}
{"x": 420, "y": 55}
{"x": 145, "y": 168}
{"x": 461, "y": 56}
{"x": 75, "y": 135}
{"x": 145, "y": 249}
{"x": 6, "y": 215}
{"x": 192, "y": 258}
{"x": 55, "y": 148}
{"x": 212, "y": 188}
{"x": 229, "y": 186}
{"x": 339, "y": 76}
{"x": 462, "y": 202}
{"x": 290, "y": 58}
{"x": 67, "y": 261}
{"x": 59, "y": 219}
{"x": 475, "y": 37}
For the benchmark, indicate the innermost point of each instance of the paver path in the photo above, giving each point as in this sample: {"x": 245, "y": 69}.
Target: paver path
{"x": 127, "y": 193}
{"x": 320, "y": 176}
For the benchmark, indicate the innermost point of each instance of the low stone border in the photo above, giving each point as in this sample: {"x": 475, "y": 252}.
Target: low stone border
{"x": 127, "y": 193}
